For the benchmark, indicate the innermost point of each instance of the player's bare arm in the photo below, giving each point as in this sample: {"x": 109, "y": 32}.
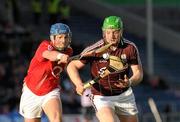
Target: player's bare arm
{"x": 72, "y": 70}
{"x": 135, "y": 79}
{"x": 137, "y": 74}
{"x": 55, "y": 56}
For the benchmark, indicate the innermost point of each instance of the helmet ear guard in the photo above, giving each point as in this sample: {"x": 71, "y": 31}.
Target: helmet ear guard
{"x": 52, "y": 38}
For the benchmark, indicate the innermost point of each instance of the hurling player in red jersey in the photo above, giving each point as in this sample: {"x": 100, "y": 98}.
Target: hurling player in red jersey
{"x": 41, "y": 91}
{"x": 112, "y": 96}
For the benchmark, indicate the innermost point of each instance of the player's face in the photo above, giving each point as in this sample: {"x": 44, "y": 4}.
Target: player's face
{"x": 112, "y": 36}
{"x": 61, "y": 41}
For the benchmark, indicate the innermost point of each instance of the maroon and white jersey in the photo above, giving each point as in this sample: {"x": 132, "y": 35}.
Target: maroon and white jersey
{"x": 128, "y": 53}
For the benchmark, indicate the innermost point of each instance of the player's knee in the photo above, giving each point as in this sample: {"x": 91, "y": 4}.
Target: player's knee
{"x": 56, "y": 118}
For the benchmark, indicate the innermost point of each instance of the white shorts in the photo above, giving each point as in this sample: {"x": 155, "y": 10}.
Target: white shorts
{"x": 123, "y": 104}
{"x": 31, "y": 104}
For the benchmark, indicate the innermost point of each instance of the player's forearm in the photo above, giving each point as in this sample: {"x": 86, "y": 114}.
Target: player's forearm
{"x": 73, "y": 73}
{"x": 136, "y": 77}
{"x": 52, "y": 55}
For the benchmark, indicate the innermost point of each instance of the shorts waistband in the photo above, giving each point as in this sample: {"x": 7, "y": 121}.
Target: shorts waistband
{"x": 113, "y": 93}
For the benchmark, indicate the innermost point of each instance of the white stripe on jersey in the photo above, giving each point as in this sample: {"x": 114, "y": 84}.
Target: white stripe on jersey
{"x": 93, "y": 46}
{"x": 131, "y": 43}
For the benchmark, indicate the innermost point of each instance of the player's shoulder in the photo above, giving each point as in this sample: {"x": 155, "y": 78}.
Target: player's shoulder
{"x": 46, "y": 44}
{"x": 129, "y": 43}
{"x": 69, "y": 50}
{"x": 93, "y": 46}
{"x": 99, "y": 42}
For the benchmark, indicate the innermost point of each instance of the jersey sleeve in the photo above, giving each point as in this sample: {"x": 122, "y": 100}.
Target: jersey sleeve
{"x": 134, "y": 55}
{"x": 42, "y": 47}
{"x": 69, "y": 51}
{"x": 96, "y": 45}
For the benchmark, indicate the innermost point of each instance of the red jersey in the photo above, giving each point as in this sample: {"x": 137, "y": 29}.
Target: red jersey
{"x": 128, "y": 53}
{"x": 43, "y": 75}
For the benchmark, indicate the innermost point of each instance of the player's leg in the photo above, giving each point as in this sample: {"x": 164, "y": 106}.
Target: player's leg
{"x": 104, "y": 108}
{"x": 125, "y": 118}
{"x": 32, "y": 120}
{"x": 105, "y": 114}
{"x": 53, "y": 110}
{"x": 30, "y": 106}
{"x": 126, "y": 108}
{"x": 52, "y": 106}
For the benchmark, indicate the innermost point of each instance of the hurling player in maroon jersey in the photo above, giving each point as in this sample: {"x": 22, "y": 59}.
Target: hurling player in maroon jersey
{"x": 41, "y": 90}
{"x": 112, "y": 96}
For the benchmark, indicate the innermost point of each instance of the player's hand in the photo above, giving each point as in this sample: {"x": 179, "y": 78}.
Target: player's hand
{"x": 64, "y": 59}
{"x": 80, "y": 89}
{"x": 123, "y": 83}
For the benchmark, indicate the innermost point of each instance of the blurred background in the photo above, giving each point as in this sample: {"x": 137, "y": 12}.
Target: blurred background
{"x": 153, "y": 25}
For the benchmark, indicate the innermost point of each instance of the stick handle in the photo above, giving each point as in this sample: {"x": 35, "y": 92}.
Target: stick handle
{"x": 154, "y": 110}
{"x": 76, "y": 57}
{"x": 91, "y": 82}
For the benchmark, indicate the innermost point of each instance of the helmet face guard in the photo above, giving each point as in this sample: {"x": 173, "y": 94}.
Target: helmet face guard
{"x": 112, "y": 22}
{"x": 60, "y": 28}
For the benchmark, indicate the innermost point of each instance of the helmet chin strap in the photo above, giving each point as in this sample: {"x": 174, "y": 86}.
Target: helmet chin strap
{"x": 58, "y": 48}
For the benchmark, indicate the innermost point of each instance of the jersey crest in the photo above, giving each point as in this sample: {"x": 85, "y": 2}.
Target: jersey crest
{"x": 50, "y": 48}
